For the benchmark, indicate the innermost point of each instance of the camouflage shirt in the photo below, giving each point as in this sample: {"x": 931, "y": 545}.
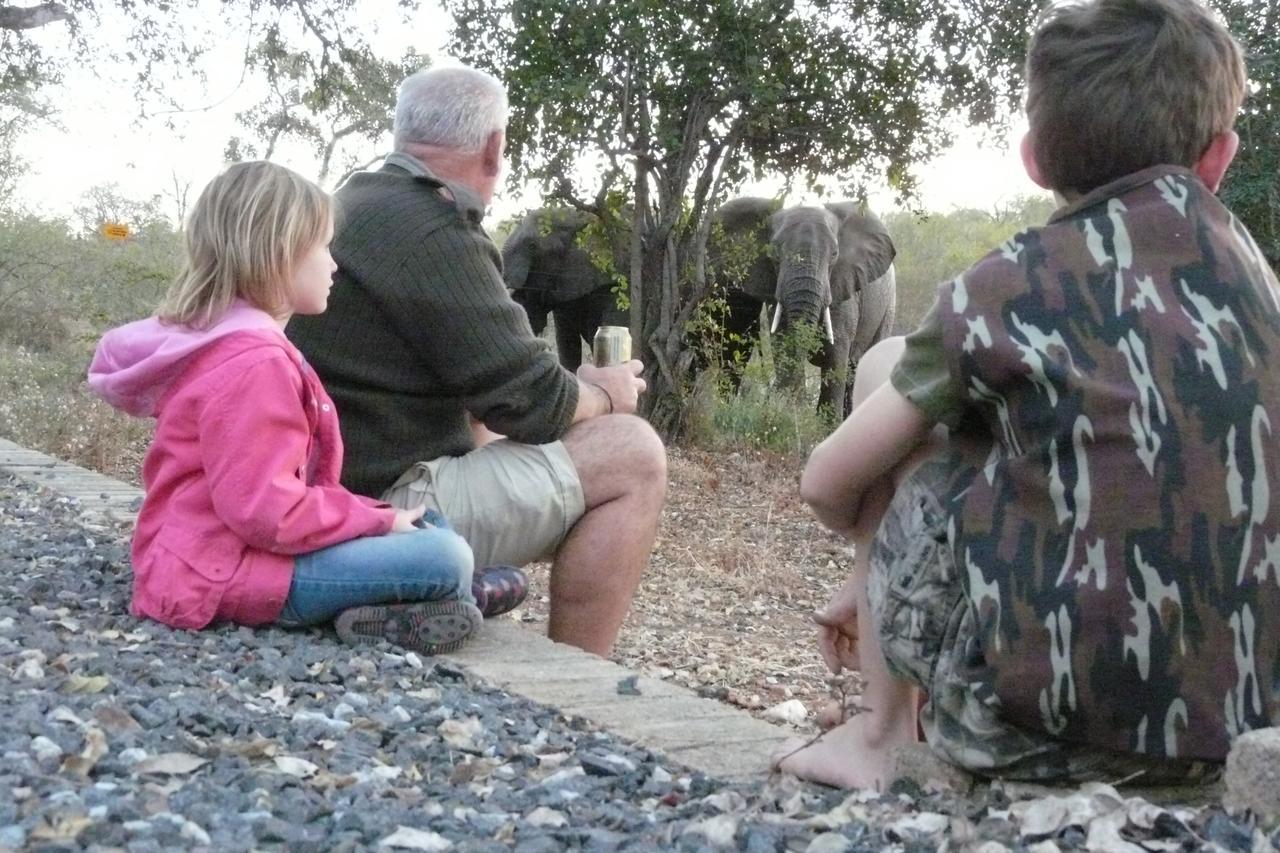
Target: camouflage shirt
{"x": 1121, "y": 544}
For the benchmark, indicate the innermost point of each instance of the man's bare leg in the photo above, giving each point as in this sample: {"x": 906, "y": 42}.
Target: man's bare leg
{"x": 623, "y": 469}
{"x": 855, "y": 754}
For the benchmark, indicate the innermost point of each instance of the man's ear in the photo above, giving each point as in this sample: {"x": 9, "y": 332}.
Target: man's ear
{"x": 1028, "y": 151}
{"x": 491, "y": 154}
{"x": 1213, "y": 163}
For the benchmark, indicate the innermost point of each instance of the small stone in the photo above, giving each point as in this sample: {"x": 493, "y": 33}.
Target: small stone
{"x": 46, "y": 751}
{"x": 829, "y": 842}
{"x": 132, "y": 756}
{"x": 543, "y": 817}
{"x": 13, "y": 836}
{"x": 628, "y": 687}
{"x": 605, "y": 765}
{"x": 791, "y": 711}
{"x": 1252, "y": 776}
{"x": 194, "y": 832}
{"x": 30, "y": 670}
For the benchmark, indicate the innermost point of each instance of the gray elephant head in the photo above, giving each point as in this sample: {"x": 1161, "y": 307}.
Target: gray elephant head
{"x": 809, "y": 258}
{"x": 543, "y": 259}
{"x": 823, "y": 266}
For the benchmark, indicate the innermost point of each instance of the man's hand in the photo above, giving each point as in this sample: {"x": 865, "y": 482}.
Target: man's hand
{"x": 616, "y": 389}
{"x": 405, "y": 519}
{"x": 838, "y": 631}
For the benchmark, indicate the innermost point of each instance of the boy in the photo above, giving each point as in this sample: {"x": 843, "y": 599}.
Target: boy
{"x": 1084, "y": 576}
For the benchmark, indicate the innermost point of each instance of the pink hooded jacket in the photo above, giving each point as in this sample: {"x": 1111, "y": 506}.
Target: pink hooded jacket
{"x": 243, "y": 470}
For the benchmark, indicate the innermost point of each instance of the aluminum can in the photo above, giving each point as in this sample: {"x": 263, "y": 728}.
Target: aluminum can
{"x": 612, "y": 345}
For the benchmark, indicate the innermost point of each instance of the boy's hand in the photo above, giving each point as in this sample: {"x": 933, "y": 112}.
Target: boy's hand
{"x": 838, "y": 633}
{"x": 405, "y": 519}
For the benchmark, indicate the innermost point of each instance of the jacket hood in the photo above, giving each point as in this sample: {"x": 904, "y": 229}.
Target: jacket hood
{"x": 135, "y": 364}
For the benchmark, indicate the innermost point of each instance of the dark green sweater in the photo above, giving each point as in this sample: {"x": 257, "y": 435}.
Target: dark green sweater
{"x": 420, "y": 330}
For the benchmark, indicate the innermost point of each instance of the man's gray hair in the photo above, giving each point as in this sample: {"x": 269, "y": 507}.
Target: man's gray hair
{"x": 450, "y": 107}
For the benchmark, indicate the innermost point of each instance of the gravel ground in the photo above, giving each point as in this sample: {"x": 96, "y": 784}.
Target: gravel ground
{"x": 121, "y": 734}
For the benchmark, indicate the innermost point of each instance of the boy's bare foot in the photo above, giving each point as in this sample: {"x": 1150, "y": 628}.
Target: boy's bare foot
{"x": 850, "y": 755}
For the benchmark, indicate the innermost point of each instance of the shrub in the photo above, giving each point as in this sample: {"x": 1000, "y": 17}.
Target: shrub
{"x": 45, "y": 405}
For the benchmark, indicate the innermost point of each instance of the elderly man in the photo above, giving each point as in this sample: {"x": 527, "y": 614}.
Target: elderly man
{"x": 427, "y": 357}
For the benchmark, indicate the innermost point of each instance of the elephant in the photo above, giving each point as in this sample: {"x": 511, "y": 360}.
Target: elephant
{"x": 548, "y": 270}
{"x": 830, "y": 267}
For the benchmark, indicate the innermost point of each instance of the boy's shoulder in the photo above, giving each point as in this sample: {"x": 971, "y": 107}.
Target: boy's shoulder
{"x": 1145, "y": 224}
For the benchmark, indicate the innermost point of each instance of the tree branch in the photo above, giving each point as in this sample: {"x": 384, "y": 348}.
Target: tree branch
{"x": 30, "y": 17}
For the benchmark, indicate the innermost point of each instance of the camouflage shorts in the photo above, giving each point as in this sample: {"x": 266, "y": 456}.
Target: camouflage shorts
{"x": 927, "y": 632}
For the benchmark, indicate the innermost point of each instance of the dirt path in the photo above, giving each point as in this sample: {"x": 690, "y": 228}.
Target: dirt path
{"x": 739, "y": 565}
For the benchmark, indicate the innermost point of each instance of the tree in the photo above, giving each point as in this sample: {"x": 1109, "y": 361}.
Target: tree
{"x": 680, "y": 100}
{"x": 327, "y": 85}
{"x": 1252, "y": 185}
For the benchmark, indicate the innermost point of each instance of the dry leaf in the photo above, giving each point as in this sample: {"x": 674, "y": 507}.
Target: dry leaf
{"x": 95, "y": 746}
{"x": 62, "y": 829}
{"x": 86, "y": 684}
{"x": 258, "y": 747}
{"x": 276, "y": 695}
{"x": 170, "y": 764}
{"x": 408, "y": 838}
{"x": 460, "y": 734}
{"x": 115, "y": 719}
{"x": 63, "y": 714}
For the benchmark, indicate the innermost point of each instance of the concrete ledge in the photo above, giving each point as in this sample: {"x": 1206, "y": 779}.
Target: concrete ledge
{"x": 702, "y": 734}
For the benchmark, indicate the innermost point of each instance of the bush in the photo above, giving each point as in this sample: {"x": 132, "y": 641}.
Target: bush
{"x": 937, "y": 247}
{"x": 46, "y": 405}
{"x": 760, "y": 416}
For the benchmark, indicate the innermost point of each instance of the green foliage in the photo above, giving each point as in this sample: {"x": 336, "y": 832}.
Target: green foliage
{"x": 60, "y": 288}
{"x": 45, "y": 405}
{"x": 1252, "y": 185}
{"x": 328, "y": 85}
{"x": 938, "y": 247}
{"x": 606, "y": 240}
{"x": 686, "y": 98}
{"x": 760, "y": 416}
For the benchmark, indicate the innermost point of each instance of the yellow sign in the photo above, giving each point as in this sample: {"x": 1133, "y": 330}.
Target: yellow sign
{"x": 115, "y": 230}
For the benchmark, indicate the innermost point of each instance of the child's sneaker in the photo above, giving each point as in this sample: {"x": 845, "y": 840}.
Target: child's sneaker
{"x": 498, "y": 589}
{"x": 426, "y": 627}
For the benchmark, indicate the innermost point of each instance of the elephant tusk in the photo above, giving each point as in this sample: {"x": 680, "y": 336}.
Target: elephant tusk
{"x": 777, "y": 319}
{"x": 826, "y": 324}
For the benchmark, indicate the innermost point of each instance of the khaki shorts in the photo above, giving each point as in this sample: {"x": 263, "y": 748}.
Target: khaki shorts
{"x": 513, "y": 503}
{"x": 929, "y": 636}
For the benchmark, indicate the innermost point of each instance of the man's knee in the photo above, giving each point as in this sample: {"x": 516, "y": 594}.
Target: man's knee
{"x": 618, "y": 448}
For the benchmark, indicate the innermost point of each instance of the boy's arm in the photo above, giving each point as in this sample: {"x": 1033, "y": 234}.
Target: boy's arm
{"x": 878, "y": 435}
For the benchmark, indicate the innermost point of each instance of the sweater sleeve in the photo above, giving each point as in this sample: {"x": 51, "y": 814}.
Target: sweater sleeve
{"x": 447, "y": 296}
{"x": 253, "y": 441}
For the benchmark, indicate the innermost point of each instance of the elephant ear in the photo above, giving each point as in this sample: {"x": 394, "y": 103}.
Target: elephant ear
{"x": 517, "y": 251}
{"x": 741, "y": 251}
{"x": 866, "y": 251}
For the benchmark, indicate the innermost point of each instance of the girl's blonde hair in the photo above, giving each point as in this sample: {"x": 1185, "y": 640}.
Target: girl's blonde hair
{"x": 245, "y": 233}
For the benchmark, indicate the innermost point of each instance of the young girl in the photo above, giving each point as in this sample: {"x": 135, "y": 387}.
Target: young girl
{"x": 244, "y": 519}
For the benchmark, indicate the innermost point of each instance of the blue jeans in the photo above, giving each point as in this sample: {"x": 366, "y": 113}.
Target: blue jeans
{"x": 430, "y": 564}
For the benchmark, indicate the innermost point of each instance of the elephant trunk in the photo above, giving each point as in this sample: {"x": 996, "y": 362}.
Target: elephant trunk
{"x": 802, "y": 302}
{"x": 801, "y": 305}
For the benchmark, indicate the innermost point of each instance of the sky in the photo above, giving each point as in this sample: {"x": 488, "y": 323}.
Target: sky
{"x": 101, "y": 139}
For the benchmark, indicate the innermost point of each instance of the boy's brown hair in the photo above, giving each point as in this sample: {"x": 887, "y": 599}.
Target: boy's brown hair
{"x": 1117, "y": 86}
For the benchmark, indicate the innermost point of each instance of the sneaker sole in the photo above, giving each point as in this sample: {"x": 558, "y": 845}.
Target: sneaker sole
{"x": 426, "y": 627}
